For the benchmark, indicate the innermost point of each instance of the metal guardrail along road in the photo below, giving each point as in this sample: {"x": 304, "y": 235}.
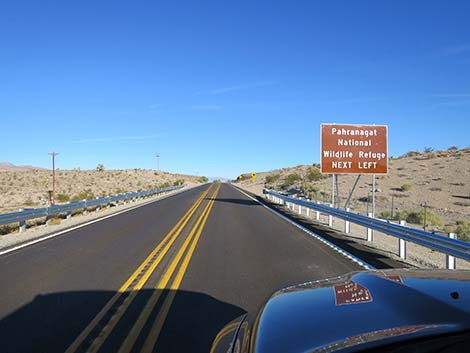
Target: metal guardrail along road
{"x": 453, "y": 247}
{"x": 54, "y": 210}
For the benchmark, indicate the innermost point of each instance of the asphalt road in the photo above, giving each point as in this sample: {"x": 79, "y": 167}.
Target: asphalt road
{"x": 165, "y": 277}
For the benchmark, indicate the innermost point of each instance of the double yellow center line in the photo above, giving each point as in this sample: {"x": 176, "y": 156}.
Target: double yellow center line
{"x": 137, "y": 280}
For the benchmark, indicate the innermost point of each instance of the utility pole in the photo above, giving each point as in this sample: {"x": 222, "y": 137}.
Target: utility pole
{"x": 53, "y": 154}
{"x": 158, "y": 161}
{"x": 425, "y": 206}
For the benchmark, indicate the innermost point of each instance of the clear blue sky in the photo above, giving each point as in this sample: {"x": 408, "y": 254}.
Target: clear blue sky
{"x": 223, "y": 87}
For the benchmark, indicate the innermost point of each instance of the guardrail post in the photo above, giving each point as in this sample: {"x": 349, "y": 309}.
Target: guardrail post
{"x": 48, "y": 216}
{"x": 402, "y": 244}
{"x": 85, "y": 209}
{"x": 451, "y": 265}
{"x": 300, "y": 209}
{"x": 22, "y": 224}
{"x": 98, "y": 207}
{"x": 68, "y": 215}
{"x": 308, "y": 209}
{"x": 330, "y": 219}
{"x": 370, "y": 234}
{"x": 346, "y": 224}
{"x": 317, "y": 217}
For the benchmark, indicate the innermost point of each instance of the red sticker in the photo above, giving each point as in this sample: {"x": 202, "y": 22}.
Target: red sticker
{"x": 351, "y": 293}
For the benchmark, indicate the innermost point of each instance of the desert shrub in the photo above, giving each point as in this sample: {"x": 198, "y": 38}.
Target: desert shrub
{"x": 452, "y": 148}
{"x": 461, "y": 228}
{"x": 432, "y": 219}
{"x": 29, "y": 202}
{"x": 54, "y": 221}
{"x": 100, "y": 168}
{"x": 314, "y": 174}
{"x": 378, "y": 198}
{"x": 63, "y": 197}
{"x": 442, "y": 154}
{"x": 406, "y": 187}
{"x": 365, "y": 199}
{"x": 412, "y": 154}
{"x": 428, "y": 149}
{"x": 462, "y": 203}
{"x": 83, "y": 195}
{"x": 311, "y": 190}
{"x": 164, "y": 185}
{"x": 178, "y": 182}
{"x": 203, "y": 179}
{"x": 292, "y": 178}
{"x": 397, "y": 215}
{"x": 435, "y": 189}
{"x": 272, "y": 178}
{"x": 8, "y": 228}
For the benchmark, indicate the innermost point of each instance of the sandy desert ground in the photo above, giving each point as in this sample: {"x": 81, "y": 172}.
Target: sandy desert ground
{"x": 27, "y": 187}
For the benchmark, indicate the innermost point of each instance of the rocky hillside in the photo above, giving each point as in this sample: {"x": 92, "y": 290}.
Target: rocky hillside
{"x": 436, "y": 180}
{"x": 29, "y": 188}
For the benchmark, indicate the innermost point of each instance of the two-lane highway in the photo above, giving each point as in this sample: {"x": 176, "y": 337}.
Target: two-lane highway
{"x": 165, "y": 277}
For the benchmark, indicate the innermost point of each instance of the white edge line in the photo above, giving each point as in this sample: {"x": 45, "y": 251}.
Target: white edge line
{"x": 53, "y": 235}
{"x": 315, "y": 235}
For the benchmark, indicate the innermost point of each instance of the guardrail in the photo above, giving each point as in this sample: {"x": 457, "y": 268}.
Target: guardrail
{"x": 24, "y": 215}
{"x": 450, "y": 246}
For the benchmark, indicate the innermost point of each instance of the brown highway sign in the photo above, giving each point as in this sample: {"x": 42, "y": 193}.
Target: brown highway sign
{"x": 354, "y": 149}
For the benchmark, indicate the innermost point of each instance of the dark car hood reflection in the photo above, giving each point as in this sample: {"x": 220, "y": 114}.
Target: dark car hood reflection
{"x": 364, "y": 307}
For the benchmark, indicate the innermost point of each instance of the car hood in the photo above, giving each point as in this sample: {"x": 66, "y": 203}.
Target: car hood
{"x": 363, "y": 309}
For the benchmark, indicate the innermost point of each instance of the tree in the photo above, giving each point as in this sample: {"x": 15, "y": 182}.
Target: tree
{"x": 100, "y": 168}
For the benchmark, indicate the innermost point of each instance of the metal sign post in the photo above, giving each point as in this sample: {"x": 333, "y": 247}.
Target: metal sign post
{"x": 373, "y": 195}
{"x": 333, "y": 189}
{"x": 352, "y": 191}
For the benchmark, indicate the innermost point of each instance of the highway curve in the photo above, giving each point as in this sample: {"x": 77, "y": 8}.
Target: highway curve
{"x": 165, "y": 277}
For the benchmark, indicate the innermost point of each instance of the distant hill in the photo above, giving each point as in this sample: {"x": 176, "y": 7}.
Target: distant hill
{"x": 10, "y": 167}
{"x": 437, "y": 179}
{"x": 218, "y": 178}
